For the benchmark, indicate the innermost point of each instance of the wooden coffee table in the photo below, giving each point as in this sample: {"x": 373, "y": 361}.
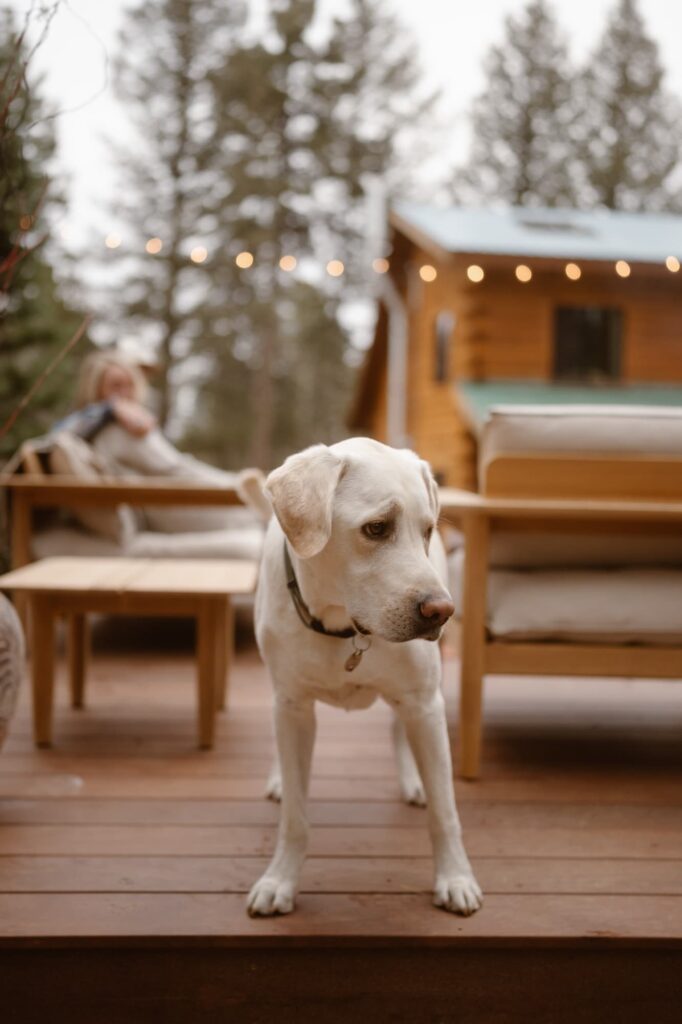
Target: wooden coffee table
{"x": 72, "y": 587}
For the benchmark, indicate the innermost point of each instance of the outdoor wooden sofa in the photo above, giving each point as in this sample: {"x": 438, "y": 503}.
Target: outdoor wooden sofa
{"x": 572, "y": 557}
{"x": 50, "y": 514}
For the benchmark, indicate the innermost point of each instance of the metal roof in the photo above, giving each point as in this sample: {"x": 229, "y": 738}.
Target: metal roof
{"x": 479, "y": 398}
{"x": 550, "y": 233}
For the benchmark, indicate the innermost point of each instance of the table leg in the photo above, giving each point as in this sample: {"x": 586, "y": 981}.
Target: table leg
{"x": 225, "y": 643}
{"x": 78, "y": 647}
{"x": 42, "y": 667}
{"x": 207, "y": 626}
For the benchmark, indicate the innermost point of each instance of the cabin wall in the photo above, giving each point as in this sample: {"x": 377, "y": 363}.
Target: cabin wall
{"x": 436, "y": 428}
{"x": 508, "y": 327}
{"x": 505, "y": 330}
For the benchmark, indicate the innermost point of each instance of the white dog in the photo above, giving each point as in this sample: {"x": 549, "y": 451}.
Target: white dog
{"x": 350, "y": 601}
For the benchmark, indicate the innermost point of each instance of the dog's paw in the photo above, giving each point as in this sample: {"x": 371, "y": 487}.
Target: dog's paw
{"x": 271, "y": 896}
{"x": 413, "y": 792}
{"x": 460, "y": 894}
{"x": 273, "y": 788}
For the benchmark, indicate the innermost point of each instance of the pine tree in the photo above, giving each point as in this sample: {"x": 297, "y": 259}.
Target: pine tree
{"x": 257, "y": 146}
{"x": 35, "y": 323}
{"x": 168, "y": 50}
{"x": 523, "y": 123}
{"x": 303, "y": 118}
{"x": 631, "y": 128}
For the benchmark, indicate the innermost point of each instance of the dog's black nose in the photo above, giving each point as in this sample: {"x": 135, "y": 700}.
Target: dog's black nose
{"x": 436, "y": 609}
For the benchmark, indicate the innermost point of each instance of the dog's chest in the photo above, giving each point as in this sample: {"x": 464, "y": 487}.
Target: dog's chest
{"x": 350, "y": 696}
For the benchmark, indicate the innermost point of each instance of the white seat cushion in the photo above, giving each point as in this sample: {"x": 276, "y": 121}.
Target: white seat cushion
{"x": 65, "y": 540}
{"x": 577, "y": 429}
{"x": 71, "y": 456}
{"x": 618, "y": 429}
{"x": 600, "y": 606}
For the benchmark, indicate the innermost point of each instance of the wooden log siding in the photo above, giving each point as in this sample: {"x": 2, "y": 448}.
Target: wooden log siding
{"x": 504, "y": 330}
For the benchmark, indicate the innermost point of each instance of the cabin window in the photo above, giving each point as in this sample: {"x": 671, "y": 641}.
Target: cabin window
{"x": 587, "y": 344}
{"x": 444, "y": 326}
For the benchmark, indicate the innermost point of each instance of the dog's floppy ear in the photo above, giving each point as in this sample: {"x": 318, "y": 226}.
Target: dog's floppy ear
{"x": 302, "y": 495}
{"x": 431, "y": 487}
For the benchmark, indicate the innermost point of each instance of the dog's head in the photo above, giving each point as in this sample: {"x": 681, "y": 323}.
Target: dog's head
{"x": 365, "y": 513}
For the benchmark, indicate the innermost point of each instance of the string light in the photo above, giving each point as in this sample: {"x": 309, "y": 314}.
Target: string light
{"x": 475, "y": 273}
{"x": 380, "y": 265}
{"x": 25, "y": 222}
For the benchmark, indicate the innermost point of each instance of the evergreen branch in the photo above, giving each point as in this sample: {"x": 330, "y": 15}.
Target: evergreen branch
{"x": 40, "y": 380}
{"x": 18, "y": 253}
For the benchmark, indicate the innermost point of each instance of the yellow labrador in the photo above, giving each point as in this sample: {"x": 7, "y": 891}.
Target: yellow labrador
{"x": 350, "y": 602}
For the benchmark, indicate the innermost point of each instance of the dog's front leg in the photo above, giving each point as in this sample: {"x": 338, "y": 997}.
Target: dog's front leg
{"x": 275, "y": 891}
{"x": 455, "y": 887}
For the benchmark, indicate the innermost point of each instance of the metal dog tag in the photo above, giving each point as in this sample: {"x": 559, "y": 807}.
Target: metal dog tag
{"x": 354, "y": 659}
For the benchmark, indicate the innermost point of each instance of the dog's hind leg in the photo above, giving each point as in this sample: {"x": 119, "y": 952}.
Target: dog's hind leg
{"x": 411, "y": 785}
{"x": 275, "y": 891}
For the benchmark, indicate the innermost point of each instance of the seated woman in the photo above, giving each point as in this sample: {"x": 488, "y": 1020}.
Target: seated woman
{"x": 111, "y": 416}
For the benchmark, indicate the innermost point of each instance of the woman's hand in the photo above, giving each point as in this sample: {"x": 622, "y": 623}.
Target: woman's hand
{"x": 134, "y": 417}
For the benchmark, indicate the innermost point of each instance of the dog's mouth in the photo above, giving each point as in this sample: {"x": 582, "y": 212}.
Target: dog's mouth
{"x": 433, "y": 633}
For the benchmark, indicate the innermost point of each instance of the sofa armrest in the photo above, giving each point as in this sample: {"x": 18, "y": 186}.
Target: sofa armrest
{"x": 28, "y": 492}
{"x": 458, "y": 506}
{"x": 50, "y": 492}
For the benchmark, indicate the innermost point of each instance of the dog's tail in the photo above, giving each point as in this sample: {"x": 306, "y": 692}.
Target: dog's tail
{"x": 251, "y": 490}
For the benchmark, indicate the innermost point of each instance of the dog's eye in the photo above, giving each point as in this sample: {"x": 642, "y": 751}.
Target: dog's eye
{"x": 428, "y": 534}
{"x": 376, "y": 530}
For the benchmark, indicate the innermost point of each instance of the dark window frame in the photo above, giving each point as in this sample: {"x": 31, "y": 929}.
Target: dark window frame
{"x": 587, "y": 344}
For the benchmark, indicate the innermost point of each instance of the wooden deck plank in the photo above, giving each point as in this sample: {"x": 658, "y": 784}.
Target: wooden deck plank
{"x": 474, "y": 814}
{"x": 240, "y": 840}
{"x": 125, "y": 833}
{"x": 510, "y": 875}
{"x": 624, "y": 789}
{"x": 512, "y": 919}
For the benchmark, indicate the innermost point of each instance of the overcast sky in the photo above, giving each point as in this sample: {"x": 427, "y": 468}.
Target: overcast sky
{"x": 453, "y": 37}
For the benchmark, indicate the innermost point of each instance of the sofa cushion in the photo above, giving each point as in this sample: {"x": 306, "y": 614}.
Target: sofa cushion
{"x": 540, "y": 549}
{"x": 65, "y": 540}
{"x": 229, "y": 543}
{"x": 71, "y": 456}
{"x": 600, "y": 606}
{"x": 618, "y": 430}
{"x": 600, "y": 429}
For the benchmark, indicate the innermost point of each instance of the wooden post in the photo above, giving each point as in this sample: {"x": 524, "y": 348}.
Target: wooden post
{"x": 42, "y": 667}
{"x": 208, "y": 622}
{"x": 474, "y": 610}
{"x": 225, "y": 645}
{"x": 78, "y": 651}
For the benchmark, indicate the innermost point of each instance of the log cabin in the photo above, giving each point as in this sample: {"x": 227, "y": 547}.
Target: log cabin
{"x": 483, "y": 307}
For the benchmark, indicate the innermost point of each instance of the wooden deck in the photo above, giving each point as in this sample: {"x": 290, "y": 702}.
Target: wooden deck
{"x": 125, "y": 856}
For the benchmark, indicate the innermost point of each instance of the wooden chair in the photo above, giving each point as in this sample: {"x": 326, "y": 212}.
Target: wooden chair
{"x": 588, "y": 501}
